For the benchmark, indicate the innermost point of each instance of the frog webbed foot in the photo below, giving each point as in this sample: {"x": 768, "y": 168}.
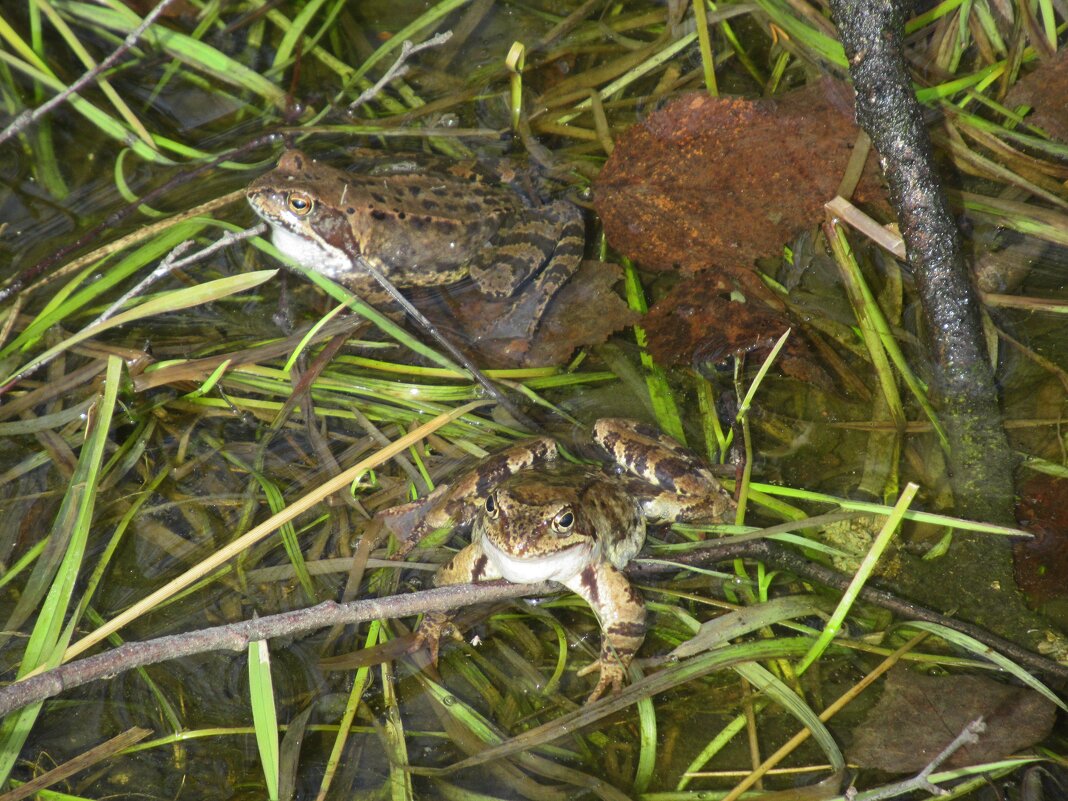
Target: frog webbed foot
{"x": 613, "y": 672}
{"x": 434, "y": 627}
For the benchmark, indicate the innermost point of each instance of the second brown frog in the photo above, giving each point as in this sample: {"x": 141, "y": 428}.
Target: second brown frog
{"x": 421, "y": 228}
{"x": 536, "y": 518}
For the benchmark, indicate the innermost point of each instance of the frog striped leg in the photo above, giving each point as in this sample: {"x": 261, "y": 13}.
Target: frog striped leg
{"x": 621, "y": 613}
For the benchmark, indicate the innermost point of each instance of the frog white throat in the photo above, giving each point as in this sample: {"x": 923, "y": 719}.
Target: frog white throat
{"x": 559, "y": 566}
{"x": 311, "y": 252}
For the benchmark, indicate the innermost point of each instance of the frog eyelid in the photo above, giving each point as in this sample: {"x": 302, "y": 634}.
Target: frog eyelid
{"x": 564, "y": 521}
{"x": 300, "y": 203}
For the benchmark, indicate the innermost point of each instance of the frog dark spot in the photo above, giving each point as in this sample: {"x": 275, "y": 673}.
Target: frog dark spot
{"x": 478, "y": 569}
{"x": 439, "y": 191}
{"x": 415, "y": 190}
{"x": 350, "y": 211}
{"x": 430, "y": 205}
{"x": 401, "y": 215}
{"x": 474, "y": 208}
{"x": 588, "y": 577}
{"x": 378, "y": 198}
{"x": 378, "y": 214}
{"x": 627, "y": 629}
{"x": 419, "y": 223}
{"x": 446, "y": 226}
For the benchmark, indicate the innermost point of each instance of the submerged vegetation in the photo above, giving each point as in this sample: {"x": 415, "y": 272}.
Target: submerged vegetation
{"x": 214, "y": 444}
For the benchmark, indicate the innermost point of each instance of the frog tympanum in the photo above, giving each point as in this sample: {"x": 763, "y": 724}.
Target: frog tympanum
{"x": 535, "y": 519}
{"x": 420, "y": 228}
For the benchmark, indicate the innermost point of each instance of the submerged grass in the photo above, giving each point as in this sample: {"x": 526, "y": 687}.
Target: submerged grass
{"x": 166, "y": 484}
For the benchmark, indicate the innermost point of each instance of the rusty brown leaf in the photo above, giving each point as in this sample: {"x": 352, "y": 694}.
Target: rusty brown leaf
{"x": 708, "y": 185}
{"x": 716, "y": 182}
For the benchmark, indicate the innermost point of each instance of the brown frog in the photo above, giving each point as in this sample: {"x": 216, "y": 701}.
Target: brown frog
{"x": 421, "y": 227}
{"x": 536, "y": 519}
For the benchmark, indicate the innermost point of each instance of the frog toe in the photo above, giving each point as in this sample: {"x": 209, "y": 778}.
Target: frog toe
{"x": 431, "y": 630}
{"x": 612, "y": 675}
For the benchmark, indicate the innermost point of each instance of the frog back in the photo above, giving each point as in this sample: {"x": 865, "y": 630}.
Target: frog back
{"x": 423, "y": 229}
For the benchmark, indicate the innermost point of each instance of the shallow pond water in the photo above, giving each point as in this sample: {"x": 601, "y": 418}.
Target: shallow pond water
{"x": 214, "y": 426}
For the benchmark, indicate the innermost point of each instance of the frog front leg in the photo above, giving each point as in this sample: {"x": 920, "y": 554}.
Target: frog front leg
{"x": 469, "y": 565}
{"x": 621, "y": 612}
{"x": 532, "y": 257}
{"x": 468, "y": 494}
{"x": 671, "y": 482}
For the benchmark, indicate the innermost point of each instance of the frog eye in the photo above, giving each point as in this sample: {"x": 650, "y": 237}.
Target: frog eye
{"x": 564, "y": 521}
{"x": 491, "y": 505}
{"x": 300, "y": 203}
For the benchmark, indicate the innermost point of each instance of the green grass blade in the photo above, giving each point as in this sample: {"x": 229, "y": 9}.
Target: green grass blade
{"x": 983, "y": 650}
{"x": 105, "y": 122}
{"x": 765, "y": 682}
{"x": 193, "y": 53}
{"x": 834, "y": 623}
{"x": 360, "y": 682}
{"x": 72, "y": 524}
{"x": 90, "y": 63}
{"x": 171, "y": 301}
{"x": 70, "y": 300}
{"x": 663, "y": 399}
{"x": 264, "y": 714}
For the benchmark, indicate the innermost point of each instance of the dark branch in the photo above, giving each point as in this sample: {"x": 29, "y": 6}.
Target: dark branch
{"x": 963, "y": 384}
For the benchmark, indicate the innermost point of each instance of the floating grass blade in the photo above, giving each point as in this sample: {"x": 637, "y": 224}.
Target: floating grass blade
{"x": 171, "y": 301}
{"x": 834, "y": 623}
{"x": 264, "y": 714}
{"x": 663, "y": 399}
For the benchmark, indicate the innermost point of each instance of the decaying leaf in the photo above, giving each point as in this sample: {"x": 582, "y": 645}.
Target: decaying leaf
{"x": 919, "y": 715}
{"x": 708, "y": 185}
{"x": 699, "y": 322}
{"x": 1042, "y": 562}
{"x": 584, "y": 312}
{"x": 1045, "y": 90}
{"x": 716, "y": 182}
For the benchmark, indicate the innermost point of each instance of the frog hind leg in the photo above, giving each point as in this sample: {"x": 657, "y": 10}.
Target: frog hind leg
{"x": 621, "y": 613}
{"x": 670, "y": 481}
{"x": 531, "y": 262}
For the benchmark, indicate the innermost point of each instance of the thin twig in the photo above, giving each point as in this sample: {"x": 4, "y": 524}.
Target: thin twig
{"x": 921, "y": 781}
{"x": 27, "y": 118}
{"x": 237, "y": 636}
{"x": 169, "y": 264}
{"x": 399, "y": 68}
{"x": 446, "y": 343}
